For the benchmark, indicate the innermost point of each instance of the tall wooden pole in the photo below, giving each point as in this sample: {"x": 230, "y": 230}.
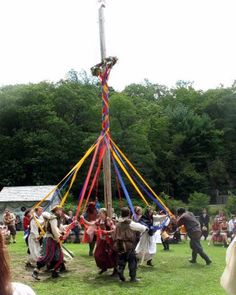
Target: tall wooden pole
{"x": 107, "y": 156}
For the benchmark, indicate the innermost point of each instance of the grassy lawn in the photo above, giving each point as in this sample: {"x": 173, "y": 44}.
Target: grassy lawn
{"x": 172, "y": 274}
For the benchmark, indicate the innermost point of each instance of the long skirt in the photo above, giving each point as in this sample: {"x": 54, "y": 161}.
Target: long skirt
{"x": 34, "y": 249}
{"x": 146, "y": 248}
{"x": 104, "y": 255}
{"x": 228, "y": 278}
{"x": 52, "y": 254}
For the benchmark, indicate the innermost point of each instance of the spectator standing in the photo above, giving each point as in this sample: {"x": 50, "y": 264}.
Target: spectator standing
{"x": 18, "y": 223}
{"x": 204, "y": 220}
{"x": 9, "y": 220}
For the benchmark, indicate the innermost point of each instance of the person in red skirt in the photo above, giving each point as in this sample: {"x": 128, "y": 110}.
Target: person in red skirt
{"x": 104, "y": 254}
{"x": 89, "y": 237}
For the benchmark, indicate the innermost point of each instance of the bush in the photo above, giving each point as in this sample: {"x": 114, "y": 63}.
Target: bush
{"x": 213, "y": 210}
{"x": 198, "y": 201}
{"x": 231, "y": 204}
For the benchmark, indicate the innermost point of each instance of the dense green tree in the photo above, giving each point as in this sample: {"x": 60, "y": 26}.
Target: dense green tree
{"x": 181, "y": 139}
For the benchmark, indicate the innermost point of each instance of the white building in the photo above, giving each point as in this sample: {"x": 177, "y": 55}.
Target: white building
{"x": 19, "y": 197}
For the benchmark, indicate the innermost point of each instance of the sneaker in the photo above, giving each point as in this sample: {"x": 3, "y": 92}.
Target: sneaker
{"x": 35, "y": 275}
{"x": 192, "y": 261}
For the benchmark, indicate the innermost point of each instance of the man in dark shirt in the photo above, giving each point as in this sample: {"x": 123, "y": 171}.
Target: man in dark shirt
{"x": 193, "y": 229}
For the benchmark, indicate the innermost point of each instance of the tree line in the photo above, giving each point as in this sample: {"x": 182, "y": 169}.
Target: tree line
{"x": 181, "y": 139}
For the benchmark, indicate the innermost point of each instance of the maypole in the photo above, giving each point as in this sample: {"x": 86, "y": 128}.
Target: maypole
{"x": 102, "y": 70}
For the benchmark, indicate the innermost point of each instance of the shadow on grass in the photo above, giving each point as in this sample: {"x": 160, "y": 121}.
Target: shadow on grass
{"x": 99, "y": 281}
{"x": 195, "y": 266}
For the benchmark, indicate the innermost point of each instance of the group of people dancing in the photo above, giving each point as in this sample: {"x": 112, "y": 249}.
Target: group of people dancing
{"x": 132, "y": 238}
{"x": 113, "y": 241}
{"x": 122, "y": 240}
{"x": 129, "y": 238}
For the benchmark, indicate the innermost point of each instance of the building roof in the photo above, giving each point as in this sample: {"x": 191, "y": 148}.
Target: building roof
{"x": 25, "y": 193}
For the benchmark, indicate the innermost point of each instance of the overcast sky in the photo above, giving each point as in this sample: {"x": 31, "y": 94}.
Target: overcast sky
{"x": 162, "y": 40}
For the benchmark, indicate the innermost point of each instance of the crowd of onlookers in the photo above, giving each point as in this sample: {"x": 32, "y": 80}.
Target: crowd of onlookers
{"x": 220, "y": 229}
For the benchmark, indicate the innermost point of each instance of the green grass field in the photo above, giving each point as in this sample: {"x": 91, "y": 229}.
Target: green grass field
{"x": 172, "y": 274}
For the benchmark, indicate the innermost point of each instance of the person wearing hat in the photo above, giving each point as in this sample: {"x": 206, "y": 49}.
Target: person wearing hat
{"x": 194, "y": 232}
{"x": 53, "y": 252}
{"x": 35, "y": 237}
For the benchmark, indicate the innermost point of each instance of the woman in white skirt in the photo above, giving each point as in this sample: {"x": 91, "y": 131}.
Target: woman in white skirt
{"x": 36, "y": 222}
{"x": 146, "y": 248}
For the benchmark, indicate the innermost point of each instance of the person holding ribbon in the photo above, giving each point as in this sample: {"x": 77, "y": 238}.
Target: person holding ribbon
{"x": 125, "y": 241}
{"x": 194, "y": 232}
{"x": 35, "y": 237}
{"x": 104, "y": 254}
{"x": 146, "y": 248}
{"x": 55, "y": 233}
{"x": 89, "y": 237}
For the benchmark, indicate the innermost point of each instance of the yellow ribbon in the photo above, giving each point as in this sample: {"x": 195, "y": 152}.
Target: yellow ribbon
{"x": 72, "y": 170}
{"x": 80, "y": 163}
{"x": 42, "y": 231}
{"x": 129, "y": 177}
{"x": 143, "y": 180}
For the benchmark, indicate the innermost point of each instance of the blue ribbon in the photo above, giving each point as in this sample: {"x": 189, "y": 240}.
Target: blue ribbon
{"x": 140, "y": 185}
{"x": 123, "y": 187}
{"x": 57, "y": 192}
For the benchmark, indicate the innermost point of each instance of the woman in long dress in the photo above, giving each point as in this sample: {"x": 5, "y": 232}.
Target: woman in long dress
{"x": 228, "y": 278}
{"x": 34, "y": 241}
{"x": 104, "y": 254}
{"x": 146, "y": 248}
